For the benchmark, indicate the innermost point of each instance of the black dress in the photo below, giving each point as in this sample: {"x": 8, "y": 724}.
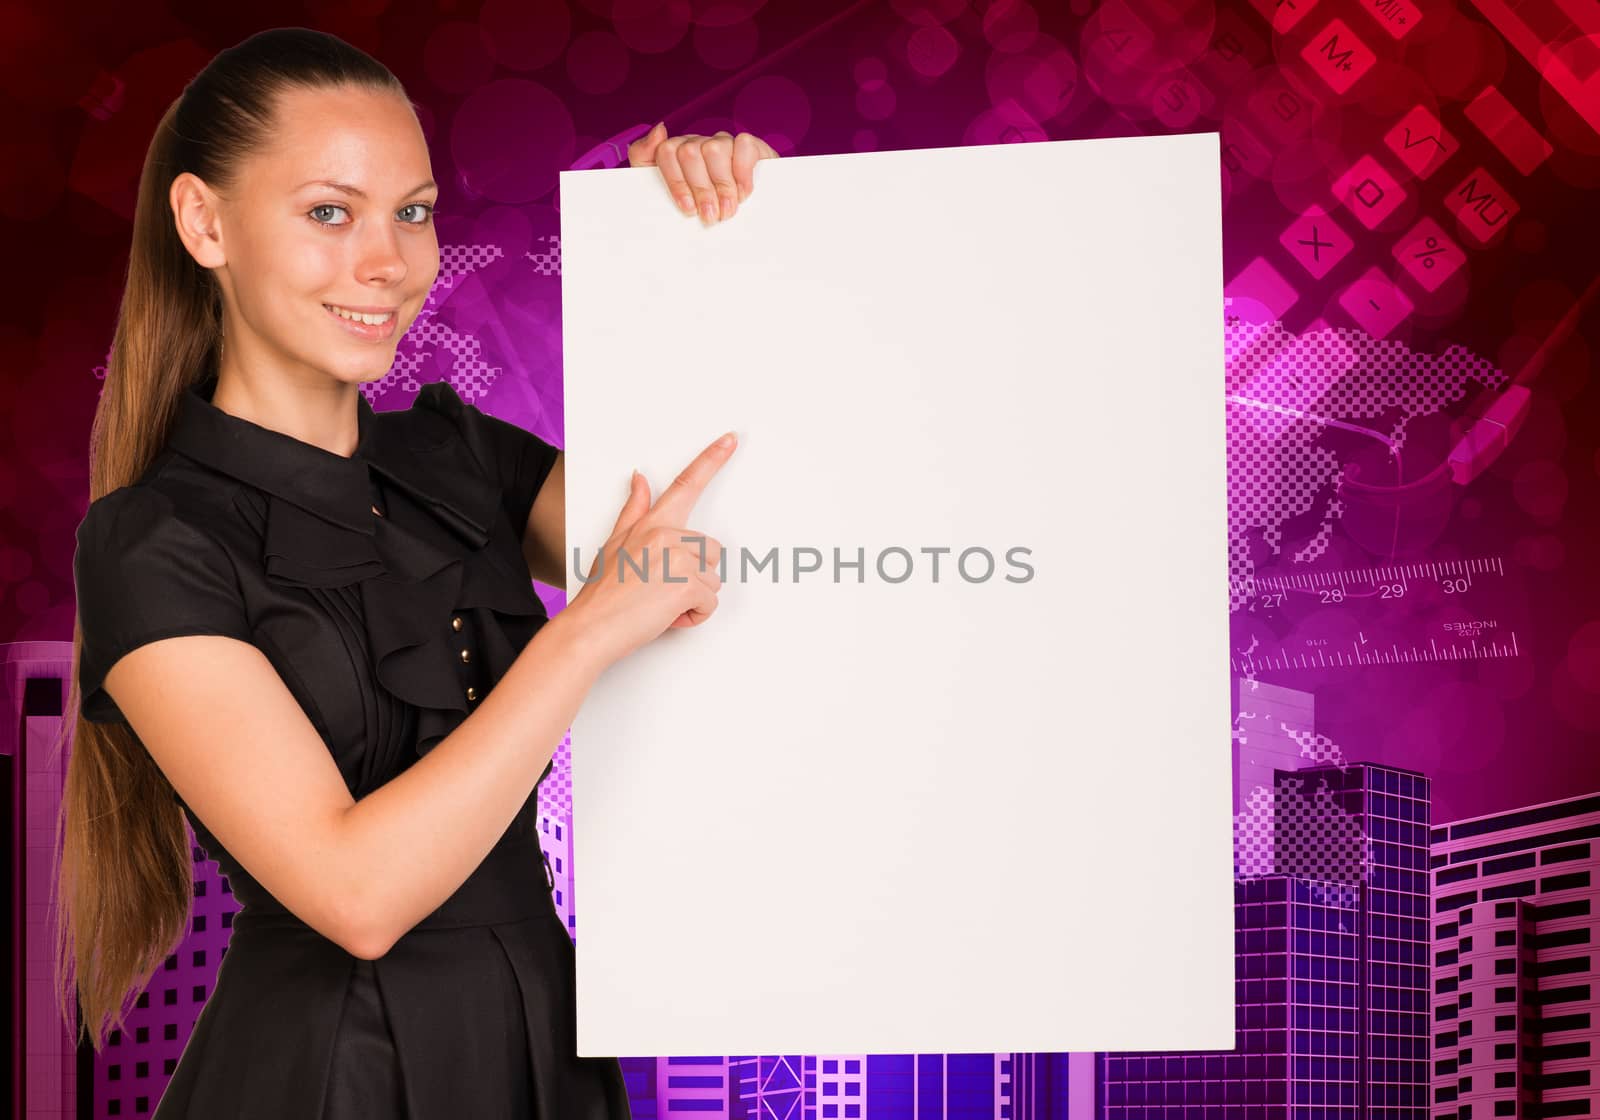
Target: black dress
{"x": 389, "y": 630}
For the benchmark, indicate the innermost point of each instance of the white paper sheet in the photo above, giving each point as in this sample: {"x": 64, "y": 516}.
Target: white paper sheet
{"x": 916, "y": 816}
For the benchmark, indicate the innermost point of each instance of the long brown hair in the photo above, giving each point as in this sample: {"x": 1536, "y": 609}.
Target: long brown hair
{"x": 125, "y": 872}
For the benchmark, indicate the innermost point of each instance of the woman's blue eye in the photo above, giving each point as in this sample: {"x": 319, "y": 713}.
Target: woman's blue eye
{"x": 317, "y": 210}
{"x": 324, "y": 214}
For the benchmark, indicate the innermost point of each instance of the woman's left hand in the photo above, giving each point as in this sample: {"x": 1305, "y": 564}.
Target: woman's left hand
{"x": 711, "y": 173}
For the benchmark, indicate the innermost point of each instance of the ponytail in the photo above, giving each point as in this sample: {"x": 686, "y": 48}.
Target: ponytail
{"x": 124, "y": 878}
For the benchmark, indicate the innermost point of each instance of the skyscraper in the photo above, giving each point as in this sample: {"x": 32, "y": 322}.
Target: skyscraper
{"x": 1514, "y": 977}
{"x": 1331, "y": 904}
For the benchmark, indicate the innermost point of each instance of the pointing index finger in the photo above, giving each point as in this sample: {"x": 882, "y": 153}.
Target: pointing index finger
{"x": 677, "y": 501}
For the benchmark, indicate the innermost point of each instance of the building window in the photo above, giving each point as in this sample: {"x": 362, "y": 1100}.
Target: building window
{"x": 1564, "y": 882}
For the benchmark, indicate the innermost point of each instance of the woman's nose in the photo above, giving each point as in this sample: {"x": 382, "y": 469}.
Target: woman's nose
{"x": 381, "y": 260}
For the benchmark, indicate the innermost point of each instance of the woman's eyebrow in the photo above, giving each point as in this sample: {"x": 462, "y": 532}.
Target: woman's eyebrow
{"x": 357, "y": 191}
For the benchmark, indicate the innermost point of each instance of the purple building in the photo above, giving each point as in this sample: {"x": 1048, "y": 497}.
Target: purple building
{"x": 49, "y": 1075}
{"x": 132, "y": 1073}
{"x": 1332, "y": 951}
{"x": 46, "y": 1075}
{"x": 946, "y": 1086}
{"x": 555, "y": 833}
{"x": 1513, "y": 976}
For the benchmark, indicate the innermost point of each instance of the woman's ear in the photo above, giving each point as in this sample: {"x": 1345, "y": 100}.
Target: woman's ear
{"x": 197, "y": 214}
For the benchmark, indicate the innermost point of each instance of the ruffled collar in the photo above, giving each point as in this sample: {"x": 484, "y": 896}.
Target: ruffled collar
{"x": 320, "y": 528}
{"x": 442, "y": 547}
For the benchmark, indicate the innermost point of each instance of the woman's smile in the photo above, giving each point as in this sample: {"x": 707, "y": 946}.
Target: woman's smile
{"x": 371, "y": 325}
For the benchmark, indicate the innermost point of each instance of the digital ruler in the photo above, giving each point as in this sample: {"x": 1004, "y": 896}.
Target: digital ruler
{"x": 1401, "y": 614}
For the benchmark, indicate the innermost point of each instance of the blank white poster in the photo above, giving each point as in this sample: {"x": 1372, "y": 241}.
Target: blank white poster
{"x": 948, "y": 770}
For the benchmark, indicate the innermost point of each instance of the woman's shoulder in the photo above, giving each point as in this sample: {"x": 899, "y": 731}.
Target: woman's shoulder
{"x": 147, "y": 541}
{"x": 136, "y": 509}
{"x": 169, "y": 498}
{"x": 146, "y": 568}
{"x": 177, "y": 519}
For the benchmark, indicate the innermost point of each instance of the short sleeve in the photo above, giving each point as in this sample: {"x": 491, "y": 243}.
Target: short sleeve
{"x": 142, "y": 573}
{"x": 519, "y": 460}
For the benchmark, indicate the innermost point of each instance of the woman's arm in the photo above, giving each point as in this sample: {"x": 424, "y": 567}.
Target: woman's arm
{"x": 415, "y": 839}
{"x": 364, "y": 872}
{"x": 544, "y": 539}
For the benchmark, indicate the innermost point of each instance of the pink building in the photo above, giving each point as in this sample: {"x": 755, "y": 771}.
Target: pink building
{"x": 49, "y": 1074}
{"x": 1514, "y": 973}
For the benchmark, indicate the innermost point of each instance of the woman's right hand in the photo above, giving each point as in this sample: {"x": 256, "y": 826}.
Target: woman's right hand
{"x": 628, "y": 599}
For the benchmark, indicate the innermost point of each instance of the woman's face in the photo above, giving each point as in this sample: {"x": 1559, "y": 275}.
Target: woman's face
{"x": 333, "y": 218}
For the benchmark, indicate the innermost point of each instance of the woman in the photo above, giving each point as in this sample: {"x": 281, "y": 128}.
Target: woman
{"x": 308, "y": 628}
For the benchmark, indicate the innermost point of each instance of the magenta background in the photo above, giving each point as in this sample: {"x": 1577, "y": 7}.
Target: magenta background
{"x": 511, "y": 99}
{"x": 84, "y": 85}
{"x": 512, "y": 94}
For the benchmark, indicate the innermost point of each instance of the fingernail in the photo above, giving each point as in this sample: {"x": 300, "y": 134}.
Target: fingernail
{"x": 726, "y": 441}
{"x": 727, "y": 206}
{"x": 686, "y": 204}
{"x": 708, "y": 212}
